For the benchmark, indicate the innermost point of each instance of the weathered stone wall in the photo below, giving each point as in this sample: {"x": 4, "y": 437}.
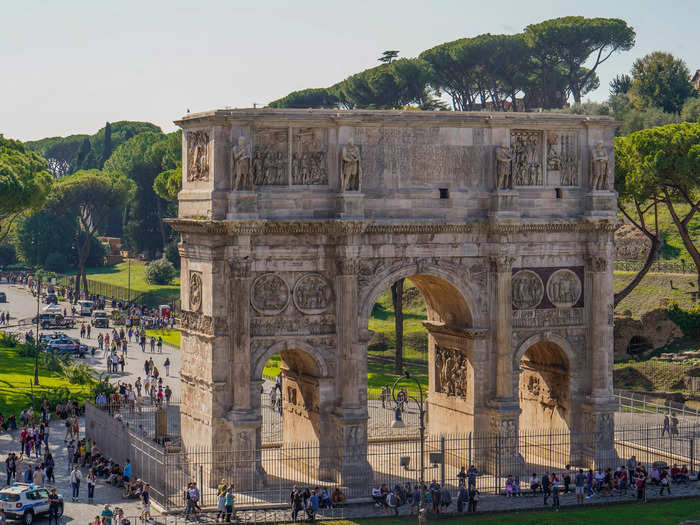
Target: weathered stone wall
{"x": 654, "y": 327}
{"x": 294, "y": 222}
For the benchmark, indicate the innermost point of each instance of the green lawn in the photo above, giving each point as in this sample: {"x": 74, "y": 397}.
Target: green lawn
{"x": 16, "y": 377}
{"x": 670, "y": 512}
{"x": 172, "y": 337}
{"x": 118, "y": 275}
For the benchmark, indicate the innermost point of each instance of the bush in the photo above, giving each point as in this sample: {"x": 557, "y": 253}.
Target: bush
{"x": 691, "y": 110}
{"x": 55, "y": 262}
{"x": 380, "y": 342}
{"x": 417, "y": 340}
{"x": 160, "y": 271}
{"x": 173, "y": 255}
{"x": 8, "y": 340}
{"x": 687, "y": 320}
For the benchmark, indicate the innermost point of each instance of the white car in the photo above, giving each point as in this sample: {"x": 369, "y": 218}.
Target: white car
{"x": 25, "y": 501}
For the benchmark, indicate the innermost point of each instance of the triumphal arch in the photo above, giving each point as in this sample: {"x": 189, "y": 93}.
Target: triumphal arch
{"x": 293, "y": 222}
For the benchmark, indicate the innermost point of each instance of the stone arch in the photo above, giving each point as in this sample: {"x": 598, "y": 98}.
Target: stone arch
{"x": 545, "y": 337}
{"x": 435, "y": 283}
{"x": 324, "y": 367}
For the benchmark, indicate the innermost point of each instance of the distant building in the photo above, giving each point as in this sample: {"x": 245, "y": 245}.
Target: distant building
{"x": 114, "y": 246}
{"x": 696, "y": 80}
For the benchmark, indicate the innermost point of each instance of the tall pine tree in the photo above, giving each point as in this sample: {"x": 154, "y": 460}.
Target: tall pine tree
{"x": 107, "y": 147}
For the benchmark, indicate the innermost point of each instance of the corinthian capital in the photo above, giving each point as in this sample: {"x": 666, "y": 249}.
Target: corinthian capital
{"x": 348, "y": 265}
{"x": 501, "y": 263}
{"x": 596, "y": 264}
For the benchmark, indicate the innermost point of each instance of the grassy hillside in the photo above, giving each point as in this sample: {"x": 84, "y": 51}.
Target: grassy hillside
{"x": 654, "y": 291}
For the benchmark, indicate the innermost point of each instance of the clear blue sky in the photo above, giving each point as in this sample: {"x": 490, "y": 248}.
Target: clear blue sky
{"x": 67, "y": 66}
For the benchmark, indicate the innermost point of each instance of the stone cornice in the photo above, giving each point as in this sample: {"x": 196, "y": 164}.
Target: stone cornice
{"x": 328, "y": 117}
{"x": 466, "y": 333}
{"x": 343, "y": 227}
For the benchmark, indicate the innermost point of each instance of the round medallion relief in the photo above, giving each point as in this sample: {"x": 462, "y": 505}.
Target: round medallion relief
{"x": 564, "y": 288}
{"x": 195, "y": 291}
{"x": 270, "y": 294}
{"x": 528, "y": 289}
{"x": 312, "y": 294}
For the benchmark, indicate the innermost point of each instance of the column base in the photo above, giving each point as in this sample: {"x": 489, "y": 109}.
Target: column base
{"x": 352, "y": 468}
{"x": 505, "y": 206}
{"x": 598, "y": 449}
{"x": 350, "y": 205}
{"x": 601, "y": 203}
{"x": 244, "y": 466}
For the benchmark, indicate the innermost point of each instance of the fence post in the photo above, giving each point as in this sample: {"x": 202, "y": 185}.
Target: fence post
{"x": 692, "y": 456}
{"x": 442, "y": 463}
{"x": 469, "y": 444}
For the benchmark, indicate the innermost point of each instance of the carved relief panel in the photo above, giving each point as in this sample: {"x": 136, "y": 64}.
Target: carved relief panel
{"x": 197, "y": 156}
{"x": 312, "y": 294}
{"x": 270, "y": 157}
{"x": 451, "y": 368}
{"x": 528, "y": 290}
{"x": 527, "y": 169}
{"x": 563, "y": 159}
{"x": 270, "y": 294}
{"x": 564, "y": 288}
{"x": 195, "y": 291}
{"x": 309, "y": 158}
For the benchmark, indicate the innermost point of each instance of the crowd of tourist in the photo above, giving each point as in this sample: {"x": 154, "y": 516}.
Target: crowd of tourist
{"x": 312, "y": 500}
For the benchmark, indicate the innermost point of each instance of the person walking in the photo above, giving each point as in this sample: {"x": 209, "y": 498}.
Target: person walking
{"x": 473, "y": 499}
{"x": 665, "y": 429}
{"x": 580, "y": 486}
{"x": 75, "y": 478}
{"x": 229, "y": 501}
{"x": 160, "y": 345}
{"x": 555, "y": 492}
{"x": 221, "y": 503}
{"x": 546, "y": 490}
{"x": 166, "y": 364}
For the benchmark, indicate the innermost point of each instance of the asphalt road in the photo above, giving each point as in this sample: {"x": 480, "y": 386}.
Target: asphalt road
{"x": 22, "y": 307}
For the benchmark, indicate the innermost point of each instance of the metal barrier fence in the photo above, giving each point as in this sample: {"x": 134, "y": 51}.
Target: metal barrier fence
{"x": 656, "y": 267}
{"x": 122, "y": 293}
{"x": 266, "y": 475}
{"x": 640, "y": 403}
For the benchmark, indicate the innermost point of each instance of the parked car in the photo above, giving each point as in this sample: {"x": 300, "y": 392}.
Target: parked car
{"x": 51, "y": 320}
{"x": 63, "y": 345}
{"x": 85, "y": 307}
{"x": 100, "y": 319}
{"x": 25, "y": 501}
{"x": 3, "y": 297}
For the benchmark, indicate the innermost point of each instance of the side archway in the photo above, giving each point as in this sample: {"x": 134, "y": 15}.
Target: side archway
{"x": 290, "y": 345}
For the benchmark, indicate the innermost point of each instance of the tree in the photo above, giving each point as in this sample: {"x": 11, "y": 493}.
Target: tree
{"x": 638, "y": 119}
{"x": 142, "y": 158}
{"x": 620, "y": 85}
{"x": 636, "y": 199}
{"x": 25, "y": 182}
{"x": 160, "y": 271}
{"x": 668, "y": 159}
{"x": 317, "y": 98}
{"x": 388, "y": 56}
{"x": 691, "y": 110}
{"x": 659, "y": 79}
{"x": 397, "y": 301}
{"x": 88, "y": 195}
{"x": 571, "y": 40}
{"x": 107, "y": 143}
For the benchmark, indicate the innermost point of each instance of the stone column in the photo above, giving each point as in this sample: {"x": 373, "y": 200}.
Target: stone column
{"x": 502, "y": 268}
{"x": 600, "y": 410}
{"x": 350, "y": 414}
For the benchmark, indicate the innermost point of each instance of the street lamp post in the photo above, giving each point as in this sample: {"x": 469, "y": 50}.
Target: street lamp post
{"x": 36, "y": 339}
{"x": 398, "y": 422}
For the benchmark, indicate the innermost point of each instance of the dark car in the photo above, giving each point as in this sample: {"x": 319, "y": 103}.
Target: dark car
{"x": 100, "y": 319}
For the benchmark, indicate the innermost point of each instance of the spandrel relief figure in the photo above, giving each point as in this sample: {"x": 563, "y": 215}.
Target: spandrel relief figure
{"x": 198, "y": 156}
{"x": 599, "y": 167}
{"x": 553, "y": 159}
{"x": 258, "y": 174}
{"x": 504, "y": 178}
{"x": 350, "y": 167}
{"x": 242, "y": 179}
{"x": 296, "y": 169}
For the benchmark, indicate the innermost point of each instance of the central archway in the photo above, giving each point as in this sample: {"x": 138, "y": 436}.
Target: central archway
{"x": 453, "y": 391}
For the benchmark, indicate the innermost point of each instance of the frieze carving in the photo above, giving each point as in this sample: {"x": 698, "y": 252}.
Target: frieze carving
{"x": 355, "y": 441}
{"x": 333, "y": 227}
{"x": 312, "y": 294}
{"x": 204, "y": 324}
{"x": 195, "y": 291}
{"x": 350, "y": 167}
{"x": 527, "y": 158}
{"x": 309, "y": 159}
{"x": 569, "y": 155}
{"x": 242, "y": 178}
{"x": 451, "y": 372}
{"x": 599, "y": 167}
{"x": 197, "y": 156}
{"x": 596, "y": 264}
{"x": 564, "y": 288}
{"x": 550, "y": 317}
{"x": 553, "y": 159}
{"x": 270, "y": 294}
{"x": 504, "y": 174}
{"x": 278, "y": 326}
{"x": 528, "y": 289}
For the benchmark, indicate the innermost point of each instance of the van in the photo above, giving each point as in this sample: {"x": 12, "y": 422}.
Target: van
{"x": 85, "y": 307}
